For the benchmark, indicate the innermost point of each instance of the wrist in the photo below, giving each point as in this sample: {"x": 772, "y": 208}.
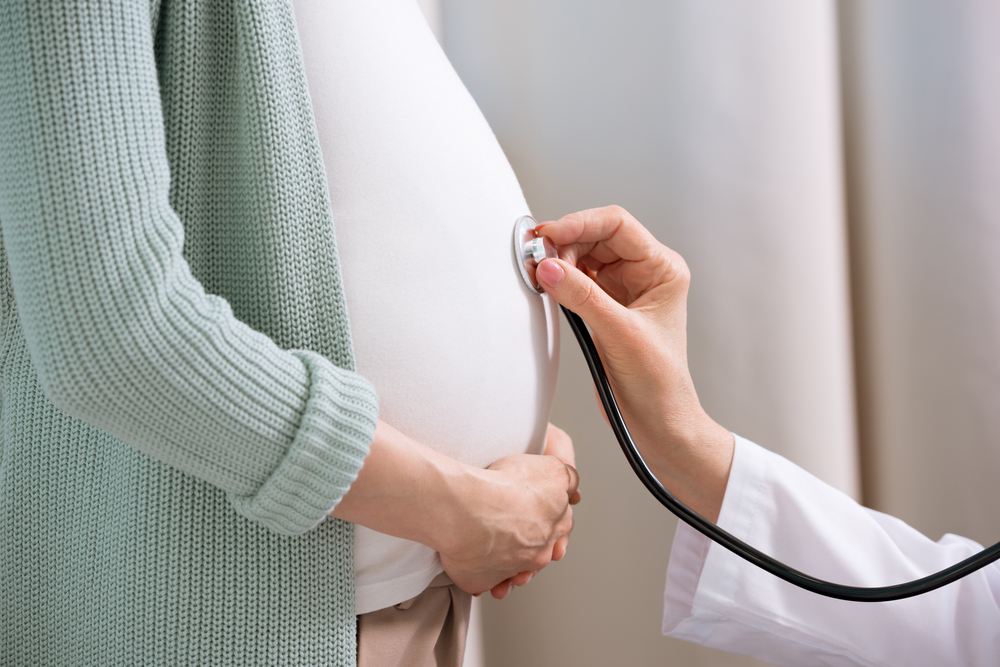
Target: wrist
{"x": 408, "y": 490}
{"x": 456, "y": 491}
{"x": 692, "y": 457}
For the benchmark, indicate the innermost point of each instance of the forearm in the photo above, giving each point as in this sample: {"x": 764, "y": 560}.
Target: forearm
{"x": 487, "y": 525}
{"x": 408, "y": 490}
{"x": 691, "y": 457}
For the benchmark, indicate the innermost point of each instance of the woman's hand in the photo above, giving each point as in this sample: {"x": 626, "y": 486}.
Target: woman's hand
{"x": 560, "y": 445}
{"x": 489, "y": 526}
{"x": 516, "y": 524}
{"x": 632, "y": 291}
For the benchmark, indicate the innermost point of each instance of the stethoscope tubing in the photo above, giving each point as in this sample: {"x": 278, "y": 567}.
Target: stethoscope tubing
{"x": 735, "y": 545}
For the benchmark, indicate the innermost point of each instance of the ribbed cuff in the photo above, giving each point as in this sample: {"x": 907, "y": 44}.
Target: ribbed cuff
{"x": 329, "y": 448}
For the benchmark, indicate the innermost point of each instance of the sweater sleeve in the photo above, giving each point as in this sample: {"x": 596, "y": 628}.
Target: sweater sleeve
{"x": 120, "y": 333}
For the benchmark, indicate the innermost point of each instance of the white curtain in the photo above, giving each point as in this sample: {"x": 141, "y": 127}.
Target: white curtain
{"x": 850, "y": 324}
{"x": 923, "y": 138}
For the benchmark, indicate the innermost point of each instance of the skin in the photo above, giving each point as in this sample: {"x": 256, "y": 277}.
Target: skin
{"x": 631, "y": 290}
{"x": 493, "y": 528}
{"x": 496, "y": 528}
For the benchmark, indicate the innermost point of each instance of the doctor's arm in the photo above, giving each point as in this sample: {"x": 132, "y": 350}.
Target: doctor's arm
{"x": 717, "y": 599}
{"x": 631, "y": 290}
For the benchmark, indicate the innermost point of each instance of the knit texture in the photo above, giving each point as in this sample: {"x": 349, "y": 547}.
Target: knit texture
{"x": 179, "y": 407}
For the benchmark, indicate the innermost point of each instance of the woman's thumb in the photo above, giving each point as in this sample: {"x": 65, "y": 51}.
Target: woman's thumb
{"x": 572, "y": 288}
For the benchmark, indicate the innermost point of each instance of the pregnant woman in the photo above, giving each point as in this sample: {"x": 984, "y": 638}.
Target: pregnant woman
{"x": 463, "y": 358}
{"x": 183, "y": 398}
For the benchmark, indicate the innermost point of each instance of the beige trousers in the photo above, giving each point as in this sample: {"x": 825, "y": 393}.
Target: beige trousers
{"x": 427, "y": 631}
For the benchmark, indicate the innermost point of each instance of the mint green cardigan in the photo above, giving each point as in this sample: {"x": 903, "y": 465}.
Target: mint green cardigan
{"x": 179, "y": 407}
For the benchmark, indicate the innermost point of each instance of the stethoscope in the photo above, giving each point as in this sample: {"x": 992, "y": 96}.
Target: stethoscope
{"x": 529, "y": 250}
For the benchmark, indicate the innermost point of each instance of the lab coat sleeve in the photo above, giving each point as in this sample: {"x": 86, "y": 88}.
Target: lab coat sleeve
{"x": 719, "y": 600}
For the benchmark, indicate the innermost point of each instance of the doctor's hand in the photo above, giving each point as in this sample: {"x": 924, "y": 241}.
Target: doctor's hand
{"x": 631, "y": 290}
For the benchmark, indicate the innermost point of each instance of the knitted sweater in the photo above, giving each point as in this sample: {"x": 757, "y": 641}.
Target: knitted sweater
{"x": 179, "y": 411}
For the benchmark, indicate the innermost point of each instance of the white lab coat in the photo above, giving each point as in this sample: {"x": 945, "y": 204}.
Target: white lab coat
{"x": 717, "y": 599}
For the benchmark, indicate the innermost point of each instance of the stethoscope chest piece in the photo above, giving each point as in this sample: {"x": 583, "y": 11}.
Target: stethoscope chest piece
{"x": 529, "y": 250}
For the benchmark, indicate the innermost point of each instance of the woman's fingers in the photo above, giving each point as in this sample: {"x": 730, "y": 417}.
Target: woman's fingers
{"x": 559, "y": 444}
{"x": 559, "y": 550}
{"x": 574, "y": 482}
{"x": 513, "y": 521}
{"x": 523, "y": 578}
{"x": 502, "y": 590}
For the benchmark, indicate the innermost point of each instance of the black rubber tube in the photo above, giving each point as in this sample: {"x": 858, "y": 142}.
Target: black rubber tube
{"x": 737, "y": 546}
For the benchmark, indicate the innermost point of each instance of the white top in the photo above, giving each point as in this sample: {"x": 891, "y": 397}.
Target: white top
{"x": 717, "y": 599}
{"x": 463, "y": 356}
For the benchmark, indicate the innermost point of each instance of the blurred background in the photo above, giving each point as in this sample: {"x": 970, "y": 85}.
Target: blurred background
{"x": 831, "y": 173}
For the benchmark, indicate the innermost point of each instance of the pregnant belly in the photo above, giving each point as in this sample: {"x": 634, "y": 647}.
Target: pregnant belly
{"x": 463, "y": 356}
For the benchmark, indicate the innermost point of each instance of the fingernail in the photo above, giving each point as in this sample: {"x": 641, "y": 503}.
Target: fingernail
{"x": 542, "y": 224}
{"x": 550, "y": 273}
{"x": 510, "y": 588}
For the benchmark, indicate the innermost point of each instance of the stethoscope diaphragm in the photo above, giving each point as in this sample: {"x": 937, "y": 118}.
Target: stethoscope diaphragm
{"x": 529, "y": 251}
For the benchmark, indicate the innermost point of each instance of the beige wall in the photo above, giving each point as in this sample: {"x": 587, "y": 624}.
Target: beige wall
{"x": 923, "y": 129}
{"x": 716, "y": 122}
